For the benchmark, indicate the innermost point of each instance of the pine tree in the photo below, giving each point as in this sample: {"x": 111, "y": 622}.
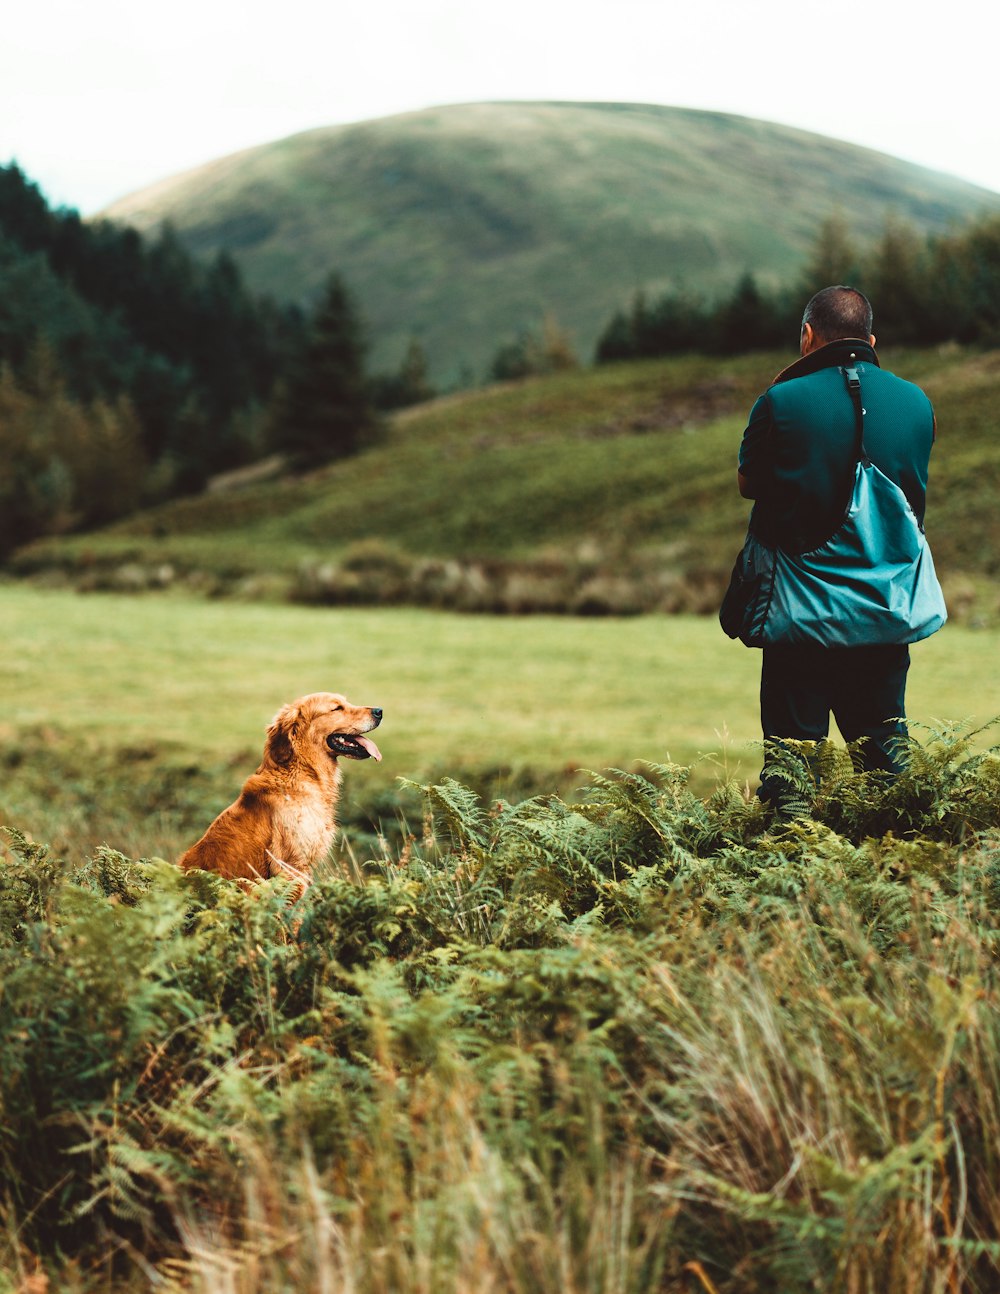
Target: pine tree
{"x": 833, "y": 259}
{"x": 409, "y": 385}
{"x": 617, "y": 341}
{"x": 901, "y": 292}
{"x": 979, "y": 258}
{"x": 749, "y": 320}
{"x": 325, "y": 410}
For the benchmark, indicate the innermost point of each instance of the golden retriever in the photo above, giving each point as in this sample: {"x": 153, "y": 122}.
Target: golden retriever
{"x": 285, "y": 818}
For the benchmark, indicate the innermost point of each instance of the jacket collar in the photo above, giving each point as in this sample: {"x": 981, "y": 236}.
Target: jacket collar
{"x": 833, "y": 354}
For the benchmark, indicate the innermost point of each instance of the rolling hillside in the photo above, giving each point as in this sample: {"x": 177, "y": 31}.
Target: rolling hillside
{"x": 611, "y": 489}
{"x": 461, "y": 225}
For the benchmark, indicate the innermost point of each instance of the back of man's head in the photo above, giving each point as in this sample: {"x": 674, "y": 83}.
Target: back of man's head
{"x": 836, "y": 312}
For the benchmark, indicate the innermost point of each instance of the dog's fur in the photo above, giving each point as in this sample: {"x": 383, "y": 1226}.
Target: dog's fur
{"x": 285, "y": 818}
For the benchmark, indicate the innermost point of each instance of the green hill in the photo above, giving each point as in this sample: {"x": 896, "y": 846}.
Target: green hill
{"x": 611, "y": 489}
{"x": 461, "y": 225}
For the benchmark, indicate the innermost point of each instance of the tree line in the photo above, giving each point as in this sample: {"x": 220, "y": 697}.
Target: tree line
{"x": 924, "y": 289}
{"x": 131, "y": 372}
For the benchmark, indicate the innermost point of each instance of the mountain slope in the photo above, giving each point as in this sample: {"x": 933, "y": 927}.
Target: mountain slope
{"x": 461, "y": 225}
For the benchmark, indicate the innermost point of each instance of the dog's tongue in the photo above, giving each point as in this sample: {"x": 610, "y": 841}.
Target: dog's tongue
{"x": 366, "y": 743}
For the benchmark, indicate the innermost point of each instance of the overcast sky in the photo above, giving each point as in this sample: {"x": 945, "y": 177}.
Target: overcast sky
{"x": 102, "y": 97}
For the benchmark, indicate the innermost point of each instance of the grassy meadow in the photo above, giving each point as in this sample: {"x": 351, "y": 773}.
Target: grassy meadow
{"x": 511, "y": 704}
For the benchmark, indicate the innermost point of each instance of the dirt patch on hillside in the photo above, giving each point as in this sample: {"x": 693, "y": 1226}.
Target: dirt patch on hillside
{"x": 687, "y": 411}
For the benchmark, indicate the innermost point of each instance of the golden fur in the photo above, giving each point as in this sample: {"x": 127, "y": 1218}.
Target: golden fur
{"x": 285, "y": 818}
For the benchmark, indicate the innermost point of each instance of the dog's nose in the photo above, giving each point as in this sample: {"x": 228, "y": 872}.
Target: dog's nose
{"x": 377, "y": 713}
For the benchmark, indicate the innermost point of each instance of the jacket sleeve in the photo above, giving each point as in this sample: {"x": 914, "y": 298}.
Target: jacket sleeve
{"x": 756, "y": 458}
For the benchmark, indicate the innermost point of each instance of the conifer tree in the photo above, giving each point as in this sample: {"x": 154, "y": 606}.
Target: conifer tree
{"x": 413, "y": 377}
{"x": 326, "y": 410}
{"x": 749, "y": 320}
{"x": 409, "y": 385}
{"x": 900, "y": 290}
{"x": 617, "y": 341}
{"x": 833, "y": 258}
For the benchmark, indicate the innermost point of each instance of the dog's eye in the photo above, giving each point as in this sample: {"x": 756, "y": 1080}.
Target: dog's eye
{"x": 335, "y": 709}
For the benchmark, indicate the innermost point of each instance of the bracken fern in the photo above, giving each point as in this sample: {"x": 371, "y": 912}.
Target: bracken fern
{"x": 628, "y": 1041}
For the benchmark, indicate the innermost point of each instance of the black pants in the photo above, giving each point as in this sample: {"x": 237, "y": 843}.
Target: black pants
{"x": 863, "y": 687}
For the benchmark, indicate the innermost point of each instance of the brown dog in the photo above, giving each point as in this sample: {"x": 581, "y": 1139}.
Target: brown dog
{"x": 285, "y": 819}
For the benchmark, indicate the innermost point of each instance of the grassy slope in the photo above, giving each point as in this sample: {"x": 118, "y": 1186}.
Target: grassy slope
{"x": 620, "y": 454}
{"x": 628, "y": 459}
{"x": 463, "y": 224}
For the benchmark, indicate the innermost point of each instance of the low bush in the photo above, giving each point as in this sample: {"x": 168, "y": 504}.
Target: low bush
{"x": 598, "y": 583}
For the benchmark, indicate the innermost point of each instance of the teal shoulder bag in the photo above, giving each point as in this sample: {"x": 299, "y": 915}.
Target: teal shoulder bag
{"x": 873, "y": 581}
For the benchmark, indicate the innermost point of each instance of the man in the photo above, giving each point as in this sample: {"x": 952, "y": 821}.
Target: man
{"x": 797, "y": 463}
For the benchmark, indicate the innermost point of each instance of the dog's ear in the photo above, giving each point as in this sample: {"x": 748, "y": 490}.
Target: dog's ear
{"x": 279, "y": 746}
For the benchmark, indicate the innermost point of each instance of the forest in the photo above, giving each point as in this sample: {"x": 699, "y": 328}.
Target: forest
{"x": 926, "y": 290}
{"x": 130, "y": 372}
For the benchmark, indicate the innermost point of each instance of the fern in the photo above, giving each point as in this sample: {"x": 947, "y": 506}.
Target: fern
{"x": 28, "y": 884}
{"x": 768, "y": 1039}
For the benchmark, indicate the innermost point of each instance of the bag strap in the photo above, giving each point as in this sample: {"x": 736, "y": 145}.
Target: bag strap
{"x": 853, "y": 380}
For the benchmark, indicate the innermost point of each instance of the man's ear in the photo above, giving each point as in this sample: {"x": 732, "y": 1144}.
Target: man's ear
{"x": 279, "y": 746}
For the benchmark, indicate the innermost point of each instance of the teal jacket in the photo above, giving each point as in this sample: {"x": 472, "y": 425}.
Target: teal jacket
{"x": 799, "y": 447}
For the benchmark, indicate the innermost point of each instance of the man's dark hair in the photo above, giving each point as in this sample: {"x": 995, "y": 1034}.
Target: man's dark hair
{"x": 839, "y": 311}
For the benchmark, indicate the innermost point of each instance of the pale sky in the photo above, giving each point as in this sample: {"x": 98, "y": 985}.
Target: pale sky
{"x": 101, "y": 97}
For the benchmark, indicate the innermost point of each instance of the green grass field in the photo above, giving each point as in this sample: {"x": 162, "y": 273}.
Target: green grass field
{"x": 514, "y": 701}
